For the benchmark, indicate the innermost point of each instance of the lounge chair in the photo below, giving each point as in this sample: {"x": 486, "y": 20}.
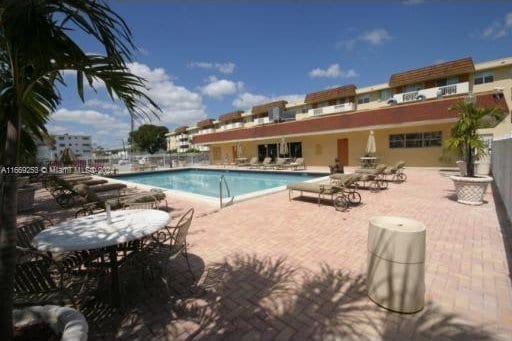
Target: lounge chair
{"x": 266, "y": 162}
{"x": 396, "y": 172}
{"x": 299, "y": 163}
{"x": 93, "y": 202}
{"x": 252, "y": 162}
{"x": 280, "y": 163}
{"x": 320, "y": 189}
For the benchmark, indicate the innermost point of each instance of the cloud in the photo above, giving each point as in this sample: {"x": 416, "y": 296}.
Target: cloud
{"x": 333, "y": 71}
{"x": 247, "y": 100}
{"x": 92, "y": 118}
{"x": 377, "y": 36}
{"x": 218, "y": 88}
{"x": 226, "y": 68}
{"x": 498, "y": 29}
{"x": 413, "y": 2}
{"x": 179, "y": 105}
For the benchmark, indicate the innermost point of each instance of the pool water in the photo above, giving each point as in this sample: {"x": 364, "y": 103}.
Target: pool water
{"x": 206, "y": 182}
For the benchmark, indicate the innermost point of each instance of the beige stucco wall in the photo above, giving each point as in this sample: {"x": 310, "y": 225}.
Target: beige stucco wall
{"x": 502, "y": 79}
{"x": 320, "y": 150}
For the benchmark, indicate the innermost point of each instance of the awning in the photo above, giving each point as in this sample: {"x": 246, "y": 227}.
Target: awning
{"x": 334, "y": 93}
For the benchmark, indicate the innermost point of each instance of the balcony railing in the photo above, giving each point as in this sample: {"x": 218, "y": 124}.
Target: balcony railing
{"x": 331, "y": 109}
{"x": 231, "y": 126}
{"x": 261, "y": 120}
{"x": 440, "y": 91}
{"x": 206, "y": 131}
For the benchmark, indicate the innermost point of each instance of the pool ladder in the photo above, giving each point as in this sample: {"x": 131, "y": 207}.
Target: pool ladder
{"x": 230, "y": 202}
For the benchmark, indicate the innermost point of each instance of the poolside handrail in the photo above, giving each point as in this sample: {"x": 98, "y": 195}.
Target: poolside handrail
{"x": 230, "y": 202}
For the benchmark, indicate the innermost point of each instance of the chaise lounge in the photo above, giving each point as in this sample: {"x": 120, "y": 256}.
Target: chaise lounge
{"x": 320, "y": 189}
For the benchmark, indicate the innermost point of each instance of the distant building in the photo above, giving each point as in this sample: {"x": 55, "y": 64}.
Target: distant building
{"x": 180, "y": 140}
{"x": 80, "y": 145}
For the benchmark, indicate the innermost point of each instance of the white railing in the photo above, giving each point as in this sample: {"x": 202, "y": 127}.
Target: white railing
{"x": 206, "y": 131}
{"x": 231, "y": 126}
{"x": 440, "y": 91}
{"x": 183, "y": 143}
{"x": 261, "y": 120}
{"x": 331, "y": 109}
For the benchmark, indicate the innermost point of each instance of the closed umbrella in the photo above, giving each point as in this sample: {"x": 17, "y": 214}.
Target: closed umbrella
{"x": 283, "y": 147}
{"x": 371, "y": 148}
{"x": 239, "y": 150}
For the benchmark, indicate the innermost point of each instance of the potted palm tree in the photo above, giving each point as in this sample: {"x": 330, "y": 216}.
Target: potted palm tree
{"x": 470, "y": 188}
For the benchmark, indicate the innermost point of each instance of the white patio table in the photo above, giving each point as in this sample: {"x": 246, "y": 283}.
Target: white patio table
{"x": 93, "y": 232}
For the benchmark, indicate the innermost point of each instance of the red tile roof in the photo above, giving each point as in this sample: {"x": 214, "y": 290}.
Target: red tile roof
{"x": 262, "y": 108}
{"x": 234, "y": 115}
{"x": 180, "y": 130}
{"x": 443, "y": 70}
{"x": 325, "y": 95}
{"x": 205, "y": 123}
{"x": 406, "y": 113}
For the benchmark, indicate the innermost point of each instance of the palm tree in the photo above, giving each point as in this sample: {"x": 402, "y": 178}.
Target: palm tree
{"x": 36, "y": 46}
{"x": 464, "y": 139}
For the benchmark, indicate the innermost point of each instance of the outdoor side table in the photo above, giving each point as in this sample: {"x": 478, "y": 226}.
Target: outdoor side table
{"x": 396, "y": 263}
{"x": 93, "y": 232}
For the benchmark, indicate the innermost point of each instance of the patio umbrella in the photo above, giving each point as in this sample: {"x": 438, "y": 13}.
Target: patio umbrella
{"x": 370, "y": 145}
{"x": 283, "y": 147}
{"x": 239, "y": 150}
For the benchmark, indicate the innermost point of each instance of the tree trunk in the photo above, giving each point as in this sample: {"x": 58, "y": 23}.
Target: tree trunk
{"x": 470, "y": 164}
{"x": 8, "y": 206}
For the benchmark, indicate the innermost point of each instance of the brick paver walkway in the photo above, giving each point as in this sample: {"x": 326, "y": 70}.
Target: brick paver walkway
{"x": 271, "y": 268}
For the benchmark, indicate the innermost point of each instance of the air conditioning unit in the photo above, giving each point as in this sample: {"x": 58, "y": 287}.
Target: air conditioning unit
{"x": 392, "y": 101}
{"x": 421, "y": 98}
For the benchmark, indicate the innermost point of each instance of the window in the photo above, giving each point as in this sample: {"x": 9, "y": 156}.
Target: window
{"x": 363, "y": 99}
{"x": 416, "y": 140}
{"x": 62, "y": 145}
{"x": 385, "y": 94}
{"x": 484, "y": 77}
{"x": 413, "y": 140}
{"x": 432, "y": 139}
{"x": 61, "y": 137}
{"x": 396, "y": 141}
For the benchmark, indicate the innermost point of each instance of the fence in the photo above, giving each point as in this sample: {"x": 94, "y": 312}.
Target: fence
{"x": 162, "y": 160}
{"x": 502, "y": 170}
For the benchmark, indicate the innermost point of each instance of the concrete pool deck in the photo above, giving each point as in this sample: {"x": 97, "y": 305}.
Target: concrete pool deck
{"x": 270, "y": 268}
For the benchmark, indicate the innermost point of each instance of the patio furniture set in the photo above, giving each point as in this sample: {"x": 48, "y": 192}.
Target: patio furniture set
{"x": 343, "y": 189}
{"x": 54, "y": 260}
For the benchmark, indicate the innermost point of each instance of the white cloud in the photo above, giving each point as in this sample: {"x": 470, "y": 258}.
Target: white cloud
{"x": 217, "y": 88}
{"x": 179, "y": 105}
{"x": 96, "y": 103}
{"x": 413, "y": 2}
{"x": 91, "y": 118}
{"x": 498, "y": 29}
{"x": 377, "y": 36}
{"x": 247, "y": 100}
{"x": 333, "y": 71}
{"x": 226, "y": 68}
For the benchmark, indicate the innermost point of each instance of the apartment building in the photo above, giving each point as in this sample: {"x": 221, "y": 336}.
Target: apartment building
{"x": 180, "y": 140}
{"x": 409, "y": 114}
{"x": 80, "y": 145}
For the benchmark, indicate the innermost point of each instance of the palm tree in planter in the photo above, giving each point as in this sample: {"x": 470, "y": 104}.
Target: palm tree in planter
{"x": 36, "y": 46}
{"x": 465, "y": 140}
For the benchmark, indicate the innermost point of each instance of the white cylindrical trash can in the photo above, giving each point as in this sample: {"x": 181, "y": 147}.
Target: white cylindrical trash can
{"x": 396, "y": 263}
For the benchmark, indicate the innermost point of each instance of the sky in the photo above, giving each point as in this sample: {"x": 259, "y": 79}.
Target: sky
{"x": 205, "y": 58}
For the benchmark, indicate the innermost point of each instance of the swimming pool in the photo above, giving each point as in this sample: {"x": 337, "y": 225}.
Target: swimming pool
{"x": 206, "y": 182}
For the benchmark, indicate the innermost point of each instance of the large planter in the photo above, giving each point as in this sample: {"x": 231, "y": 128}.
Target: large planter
{"x": 25, "y": 198}
{"x": 470, "y": 191}
{"x": 65, "y": 320}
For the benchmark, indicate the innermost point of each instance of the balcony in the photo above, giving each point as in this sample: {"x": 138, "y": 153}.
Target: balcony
{"x": 233, "y": 125}
{"x": 261, "y": 120}
{"x": 206, "y": 131}
{"x": 440, "y": 91}
{"x": 332, "y": 109}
